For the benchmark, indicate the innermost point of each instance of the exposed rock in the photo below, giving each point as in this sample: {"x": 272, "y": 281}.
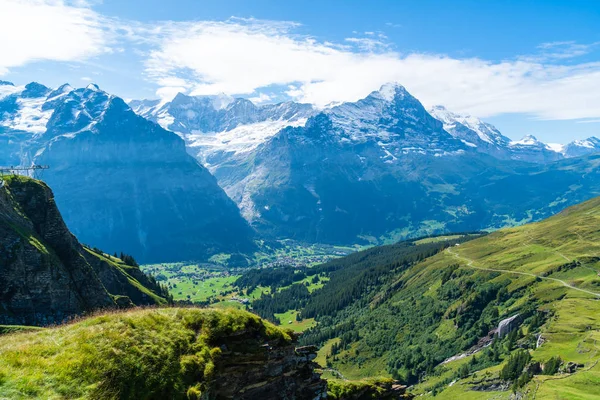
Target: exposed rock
{"x": 490, "y": 385}
{"x": 274, "y": 371}
{"x": 508, "y": 325}
{"x": 570, "y": 367}
{"x": 46, "y": 275}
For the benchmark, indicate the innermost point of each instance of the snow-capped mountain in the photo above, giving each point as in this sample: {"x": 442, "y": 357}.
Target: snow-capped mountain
{"x": 530, "y": 149}
{"x": 485, "y": 138}
{"x": 581, "y": 147}
{"x": 376, "y": 167}
{"x": 218, "y": 128}
{"x": 395, "y": 120}
{"x": 379, "y": 168}
{"x": 214, "y": 126}
{"x": 121, "y": 182}
{"x": 471, "y": 130}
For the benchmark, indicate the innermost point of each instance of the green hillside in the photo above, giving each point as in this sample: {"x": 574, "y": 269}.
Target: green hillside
{"x": 407, "y": 324}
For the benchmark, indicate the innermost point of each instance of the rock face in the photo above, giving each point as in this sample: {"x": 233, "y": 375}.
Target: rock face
{"x": 508, "y": 325}
{"x": 274, "y": 372}
{"x": 122, "y": 182}
{"x": 46, "y": 275}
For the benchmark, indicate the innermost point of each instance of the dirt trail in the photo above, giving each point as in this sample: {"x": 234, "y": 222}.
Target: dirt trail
{"x": 507, "y": 271}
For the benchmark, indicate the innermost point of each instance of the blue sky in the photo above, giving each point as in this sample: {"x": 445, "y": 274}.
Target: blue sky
{"x": 529, "y": 67}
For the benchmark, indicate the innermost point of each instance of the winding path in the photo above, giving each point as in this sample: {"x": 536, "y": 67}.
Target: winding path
{"x": 507, "y": 271}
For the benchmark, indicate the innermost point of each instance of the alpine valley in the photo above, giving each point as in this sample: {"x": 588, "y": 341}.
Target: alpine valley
{"x": 213, "y": 195}
{"x": 375, "y": 171}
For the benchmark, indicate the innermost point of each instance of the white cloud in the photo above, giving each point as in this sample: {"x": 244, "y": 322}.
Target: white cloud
{"x": 563, "y": 50}
{"x": 38, "y": 30}
{"x": 244, "y": 56}
{"x": 261, "y": 98}
{"x": 369, "y": 44}
{"x": 393, "y": 25}
{"x": 253, "y": 57}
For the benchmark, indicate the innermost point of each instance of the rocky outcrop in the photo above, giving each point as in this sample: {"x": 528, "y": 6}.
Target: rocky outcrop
{"x": 508, "y": 325}
{"x": 46, "y": 275}
{"x": 272, "y": 372}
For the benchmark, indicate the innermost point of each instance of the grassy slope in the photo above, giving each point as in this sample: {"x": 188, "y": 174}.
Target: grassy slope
{"x": 135, "y": 354}
{"x": 121, "y": 267}
{"x": 524, "y": 259}
{"x": 296, "y": 326}
{"x": 536, "y": 249}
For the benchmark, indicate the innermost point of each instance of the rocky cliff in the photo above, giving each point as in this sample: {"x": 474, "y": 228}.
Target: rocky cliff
{"x": 46, "y": 275}
{"x": 270, "y": 371}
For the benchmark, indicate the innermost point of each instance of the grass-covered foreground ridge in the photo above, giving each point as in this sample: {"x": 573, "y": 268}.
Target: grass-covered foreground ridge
{"x": 142, "y": 354}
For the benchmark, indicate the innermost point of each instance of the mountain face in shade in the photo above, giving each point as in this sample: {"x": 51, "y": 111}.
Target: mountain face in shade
{"x": 46, "y": 276}
{"x": 122, "y": 183}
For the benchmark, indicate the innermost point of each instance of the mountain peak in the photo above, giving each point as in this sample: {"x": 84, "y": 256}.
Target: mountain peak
{"x": 65, "y": 87}
{"x": 35, "y": 89}
{"x": 439, "y": 107}
{"x": 389, "y": 91}
{"x": 528, "y": 140}
{"x": 93, "y": 86}
{"x": 582, "y": 147}
{"x": 469, "y": 128}
{"x": 221, "y": 101}
{"x": 7, "y": 83}
{"x": 590, "y": 142}
{"x": 62, "y": 89}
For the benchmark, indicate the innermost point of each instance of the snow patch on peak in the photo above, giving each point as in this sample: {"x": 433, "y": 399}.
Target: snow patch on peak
{"x": 65, "y": 88}
{"x": 221, "y": 101}
{"x": 556, "y": 147}
{"x": 31, "y": 117}
{"x": 7, "y": 90}
{"x": 388, "y": 90}
{"x": 93, "y": 86}
{"x": 239, "y": 140}
{"x": 62, "y": 90}
{"x": 486, "y": 132}
{"x": 528, "y": 140}
{"x": 590, "y": 143}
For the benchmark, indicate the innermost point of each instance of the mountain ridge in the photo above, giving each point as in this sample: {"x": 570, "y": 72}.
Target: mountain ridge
{"x": 138, "y": 189}
{"x": 48, "y": 276}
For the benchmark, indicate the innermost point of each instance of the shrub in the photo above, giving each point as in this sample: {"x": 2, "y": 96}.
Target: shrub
{"x": 551, "y": 366}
